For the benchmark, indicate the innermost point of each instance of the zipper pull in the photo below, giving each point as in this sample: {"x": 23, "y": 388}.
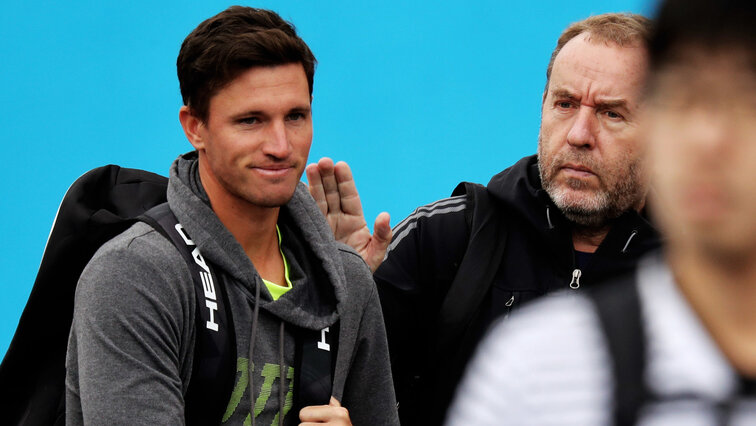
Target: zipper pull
{"x": 575, "y": 283}
{"x": 509, "y": 304}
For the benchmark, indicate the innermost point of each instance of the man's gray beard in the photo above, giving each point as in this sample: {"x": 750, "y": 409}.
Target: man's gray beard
{"x": 604, "y": 205}
{"x": 593, "y": 214}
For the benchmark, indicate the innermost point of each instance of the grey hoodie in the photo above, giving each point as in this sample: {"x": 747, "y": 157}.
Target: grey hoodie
{"x": 131, "y": 346}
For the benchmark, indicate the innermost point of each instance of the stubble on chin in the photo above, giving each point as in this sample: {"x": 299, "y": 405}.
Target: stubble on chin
{"x": 582, "y": 203}
{"x": 254, "y": 193}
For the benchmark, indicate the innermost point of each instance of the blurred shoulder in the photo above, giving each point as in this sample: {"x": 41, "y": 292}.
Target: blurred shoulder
{"x": 545, "y": 363}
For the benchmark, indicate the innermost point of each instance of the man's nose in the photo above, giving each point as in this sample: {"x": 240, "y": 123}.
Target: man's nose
{"x": 277, "y": 140}
{"x": 582, "y": 134}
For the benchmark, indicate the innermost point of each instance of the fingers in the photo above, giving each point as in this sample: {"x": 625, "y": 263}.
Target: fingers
{"x": 315, "y": 185}
{"x": 333, "y": 413}
{"x": 334, "y": 402}
{"x": 330, "y": 187}
{"x": 350, "y": 199}
{"x": 380, "y": 241}
{"x": 382, "y": 229}
{"x": 333, "y": 187}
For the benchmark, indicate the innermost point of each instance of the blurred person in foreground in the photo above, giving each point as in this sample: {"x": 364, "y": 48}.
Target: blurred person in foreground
{"x": 567, "y": 218}
{"x": 552, "y": 364}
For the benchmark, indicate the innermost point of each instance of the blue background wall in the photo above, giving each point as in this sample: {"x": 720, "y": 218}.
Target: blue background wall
{"x": 416, "y": 96}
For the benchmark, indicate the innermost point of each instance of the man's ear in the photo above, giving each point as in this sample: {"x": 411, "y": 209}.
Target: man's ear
{"x": 192, "y": 126}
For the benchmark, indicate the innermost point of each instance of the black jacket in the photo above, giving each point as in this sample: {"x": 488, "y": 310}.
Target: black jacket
{"x": 535, "y": 240}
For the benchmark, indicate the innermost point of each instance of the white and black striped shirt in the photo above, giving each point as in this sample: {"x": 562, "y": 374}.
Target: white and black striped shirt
{"x": 548, "y": 365}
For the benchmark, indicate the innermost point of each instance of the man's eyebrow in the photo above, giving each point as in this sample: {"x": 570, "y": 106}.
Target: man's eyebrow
{"x": 563, "y": 94}
{"x": 612, "y": 104}
{"x": 602, "y": 104}
{"x": 262, "y": 113}
{"x": 247, "y": 113}
{"x": 302, "y": 108}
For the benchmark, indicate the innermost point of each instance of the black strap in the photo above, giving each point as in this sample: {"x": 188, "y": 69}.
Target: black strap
{"x": 618, "y": 307}
{"x": 487, "y": 241}
{"x": 471, "y": 284}
{"x": 316, "y": 361}
{"x": 747, "y": 386}
{"x": 213, "y": 371}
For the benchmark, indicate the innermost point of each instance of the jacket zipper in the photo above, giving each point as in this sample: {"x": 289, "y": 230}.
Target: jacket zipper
{"x": 575, "y": 283}
{"x": 509, "y": 304}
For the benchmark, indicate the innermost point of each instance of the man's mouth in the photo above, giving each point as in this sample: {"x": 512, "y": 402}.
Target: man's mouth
{"x": 273, "y": 170}
{"x": 577, "y": 170}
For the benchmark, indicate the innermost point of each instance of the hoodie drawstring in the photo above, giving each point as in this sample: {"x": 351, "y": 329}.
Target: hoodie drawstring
{"x": 251, "y": 365}
{"x": 281, "y": 394}
{"x": 632, "y": 235}
{"x": 548, "y": 218}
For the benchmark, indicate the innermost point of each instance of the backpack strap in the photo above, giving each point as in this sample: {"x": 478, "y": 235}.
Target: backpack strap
{"x": 213, "y": 370}
{"x": 316, "y": 361}
{"x": 619, "y": 312}
{"x": 487, "y": 241}
{"x": 471, "y": 284}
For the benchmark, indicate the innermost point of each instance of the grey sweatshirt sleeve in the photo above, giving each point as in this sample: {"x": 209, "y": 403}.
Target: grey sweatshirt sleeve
{"x": 368, "y": 389}
{"x": 129, "y": 350}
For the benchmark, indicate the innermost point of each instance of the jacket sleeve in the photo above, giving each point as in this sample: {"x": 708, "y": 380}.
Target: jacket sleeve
{"x": 413, "y": 280}
{"x": 129, "y": 355}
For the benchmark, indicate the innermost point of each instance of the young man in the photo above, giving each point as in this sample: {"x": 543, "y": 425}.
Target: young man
{"x": 246, "y": 80}
{"x": 567, "y": 218}
{"x": 552, "y": 365}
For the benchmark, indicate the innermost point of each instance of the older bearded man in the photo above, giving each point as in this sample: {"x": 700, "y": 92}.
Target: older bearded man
{"x": 570, "y": 217}
{"x": 675, "y": 342}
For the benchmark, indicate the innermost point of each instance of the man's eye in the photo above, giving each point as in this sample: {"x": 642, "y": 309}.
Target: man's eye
{"x": 248, "y": 120}
{"x": 564, "y": 104}
{"x": 613, "y": 115}
{"x": 295, "y": 116}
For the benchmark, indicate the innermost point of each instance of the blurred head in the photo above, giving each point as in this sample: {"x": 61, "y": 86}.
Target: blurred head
{"x": 231, "y": 42}
{"x": 589, "y": 154}
{"x": 701, "y": 125}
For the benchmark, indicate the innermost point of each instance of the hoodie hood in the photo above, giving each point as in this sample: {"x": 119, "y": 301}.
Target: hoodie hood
{"x": 313, "y": 306}
{"x": 519, "y": 188}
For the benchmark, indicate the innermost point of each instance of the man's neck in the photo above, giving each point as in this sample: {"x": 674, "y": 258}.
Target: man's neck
{"x": 588, "y": 240}
{"x": 253, "y": 227}
{"x": 723, "y": 294}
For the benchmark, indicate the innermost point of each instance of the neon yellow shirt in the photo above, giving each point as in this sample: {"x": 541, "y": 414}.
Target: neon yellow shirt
{"x": 276, "y": 290}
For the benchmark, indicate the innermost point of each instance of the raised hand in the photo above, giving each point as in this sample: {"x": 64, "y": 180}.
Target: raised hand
{"x": 333, "y": 188}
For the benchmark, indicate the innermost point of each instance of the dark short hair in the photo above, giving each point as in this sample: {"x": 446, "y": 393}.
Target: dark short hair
{"x": 231, "y": 42}
{"x": 622, "y": 29}
{"x": 708, "y": 24}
